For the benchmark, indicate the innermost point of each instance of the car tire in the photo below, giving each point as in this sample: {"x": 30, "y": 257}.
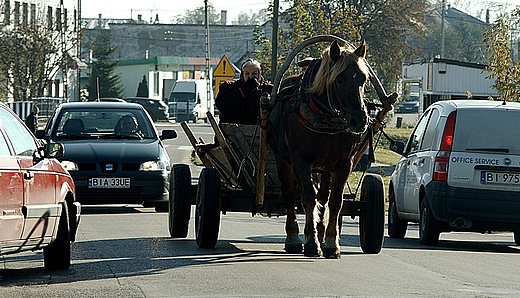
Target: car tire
{"x": 195, "y": 118}
{"x": 372, "y": 220}
{"x": 56, "y": 256}
{"x": 207, "y": 212}
{"x": 429, "y": 226}
{"x": 162, "y": 207}
{"x": 396, "y": 226}
{"x": 180, "y": 201}
{"x": 517, "y": 237}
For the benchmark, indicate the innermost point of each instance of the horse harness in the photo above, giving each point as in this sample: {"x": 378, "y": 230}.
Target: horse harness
{"x": 311, "y": 112}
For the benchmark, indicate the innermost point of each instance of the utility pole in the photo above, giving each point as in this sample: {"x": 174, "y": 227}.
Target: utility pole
{"x": 63, "y": 28}
{"x": 208, "y": 82}
{"x": 443, "y": 12}
{"x": 78, "y": 52}
{"x": 274, "y": 56}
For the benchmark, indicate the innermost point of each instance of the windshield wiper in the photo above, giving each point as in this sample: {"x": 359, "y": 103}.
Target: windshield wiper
{"x": 500, "y": 150}
{"x": 123, "y": 136}
{"x": 75, "y": 137}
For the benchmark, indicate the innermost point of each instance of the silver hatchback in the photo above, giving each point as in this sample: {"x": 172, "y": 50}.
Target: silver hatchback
{"x": 460, "y": 171}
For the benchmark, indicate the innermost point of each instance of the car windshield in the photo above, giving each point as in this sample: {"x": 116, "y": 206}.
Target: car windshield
{"x": 182, "y": 96}
{"x": 103, "y": 123}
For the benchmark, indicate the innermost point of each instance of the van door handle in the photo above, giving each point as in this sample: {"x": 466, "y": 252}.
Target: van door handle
{"x": 28, "y": 175}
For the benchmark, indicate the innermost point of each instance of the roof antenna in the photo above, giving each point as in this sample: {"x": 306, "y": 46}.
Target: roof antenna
{"x": 97, "y": 87}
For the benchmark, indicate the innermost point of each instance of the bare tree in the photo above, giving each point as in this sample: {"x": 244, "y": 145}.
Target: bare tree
{"x": 32, "y": 55}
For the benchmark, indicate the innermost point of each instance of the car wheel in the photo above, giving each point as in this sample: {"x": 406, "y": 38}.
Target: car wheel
{"x": 517, "y": 237}
{"x": 161, "y": 206}
{"x": 207, "y": 212}
{"x": 429, "y": 226}
{"x": 372, "y": 220}
{"x": 180, "y": 201}
{"x": 396, "y": 226}
{"x": 56, "y": 256}
{"x": 195, "y": 118}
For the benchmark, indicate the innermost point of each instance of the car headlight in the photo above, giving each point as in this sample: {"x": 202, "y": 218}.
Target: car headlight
{"x": 69, "y": 165}
{"x": 152, "y": 165}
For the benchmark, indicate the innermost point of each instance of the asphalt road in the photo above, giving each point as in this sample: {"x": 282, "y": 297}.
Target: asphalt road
{"x": 125, "y": 251}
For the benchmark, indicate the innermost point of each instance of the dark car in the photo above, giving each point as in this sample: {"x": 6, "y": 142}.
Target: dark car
{"x": 37, "y": 196}
{"x": 157, "y": 109}
{"x": 113, "y": 151}
{"x": 408, "y": 106}
{"x": 110, "y": 99}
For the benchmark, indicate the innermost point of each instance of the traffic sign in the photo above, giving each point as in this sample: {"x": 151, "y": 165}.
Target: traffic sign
{"x": 224, "y": 68}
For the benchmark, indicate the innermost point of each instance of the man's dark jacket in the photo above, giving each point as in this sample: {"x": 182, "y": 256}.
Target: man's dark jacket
{"x": 32, "y": 122}
{"x": 238, "y": 106}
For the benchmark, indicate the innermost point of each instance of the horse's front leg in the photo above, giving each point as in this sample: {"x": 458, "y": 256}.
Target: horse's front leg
{"x": 302, "y": 174}
{"x": 331, "y": 248}
{"x": 293, "y": 243}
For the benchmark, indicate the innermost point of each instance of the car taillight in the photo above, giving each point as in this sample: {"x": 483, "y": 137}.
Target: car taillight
{"x": 440, "y": 168}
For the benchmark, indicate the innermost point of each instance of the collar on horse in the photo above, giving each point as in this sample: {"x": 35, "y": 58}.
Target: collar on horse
{"x": 313, "y": 113}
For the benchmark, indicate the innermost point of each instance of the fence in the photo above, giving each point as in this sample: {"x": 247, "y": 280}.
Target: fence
{"x": 47, "y": 105}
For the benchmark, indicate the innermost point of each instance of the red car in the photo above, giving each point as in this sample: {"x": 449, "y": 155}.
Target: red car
{"x": 37, "y": 195}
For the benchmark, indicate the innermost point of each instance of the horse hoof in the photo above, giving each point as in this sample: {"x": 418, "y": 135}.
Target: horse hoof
{"x": 331, "y": 253}
{"x": 312, "y": 251}
{"x": 293, "y": 248}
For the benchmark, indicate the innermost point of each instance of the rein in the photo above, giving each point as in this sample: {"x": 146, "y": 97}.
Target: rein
{"x": 318, "y": 116}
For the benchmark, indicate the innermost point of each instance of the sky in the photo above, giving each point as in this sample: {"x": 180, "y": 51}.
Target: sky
{"x": 166, "y": 9}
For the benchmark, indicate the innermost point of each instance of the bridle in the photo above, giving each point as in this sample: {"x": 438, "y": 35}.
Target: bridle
{"x": 338, "y": 111}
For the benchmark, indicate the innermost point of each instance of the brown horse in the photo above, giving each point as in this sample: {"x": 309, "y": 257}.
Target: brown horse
{"x": 321, "y": 120}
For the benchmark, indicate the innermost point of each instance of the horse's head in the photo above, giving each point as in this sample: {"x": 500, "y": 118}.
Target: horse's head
{"x": 341, "y": 79}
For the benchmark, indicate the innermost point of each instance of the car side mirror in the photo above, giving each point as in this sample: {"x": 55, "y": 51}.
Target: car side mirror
{"x": 397, "y": 147}
{"x": 40, "y": 134}
{"x": 53, "y": 150}
{"x": 168, "y": 134}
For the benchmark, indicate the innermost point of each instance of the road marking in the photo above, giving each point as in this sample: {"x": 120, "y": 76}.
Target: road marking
{"x": 185, "y": 148}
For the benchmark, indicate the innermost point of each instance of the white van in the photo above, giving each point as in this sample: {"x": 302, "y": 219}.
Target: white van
{"x": 190, "y": 100}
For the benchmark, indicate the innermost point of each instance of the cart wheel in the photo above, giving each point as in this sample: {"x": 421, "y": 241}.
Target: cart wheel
{"x": 207, "y": 213}
{"x": 180, "y": 201}
{"x": 372, "y": 220}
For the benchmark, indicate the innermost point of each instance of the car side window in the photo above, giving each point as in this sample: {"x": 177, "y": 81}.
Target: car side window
{"x": 414, "y": 143}
{"x": 21, "y": 138}
{"x": 430, "y": 130}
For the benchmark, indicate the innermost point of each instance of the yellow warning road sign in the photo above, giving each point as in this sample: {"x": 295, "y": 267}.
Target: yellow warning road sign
{"x": 224, "y": 68}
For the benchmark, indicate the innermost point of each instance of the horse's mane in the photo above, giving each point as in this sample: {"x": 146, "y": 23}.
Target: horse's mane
{"x": 326, "y": 76}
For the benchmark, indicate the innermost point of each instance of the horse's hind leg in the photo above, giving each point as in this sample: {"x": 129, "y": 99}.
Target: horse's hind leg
{"x": 293, "y": 244}
{"x": 330, "y": 247}
{"x": 302, "y": 174}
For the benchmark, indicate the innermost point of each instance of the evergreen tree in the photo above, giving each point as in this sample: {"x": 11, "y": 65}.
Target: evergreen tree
{"x": 142, "y": 89}
{"x": 101, "y": 76}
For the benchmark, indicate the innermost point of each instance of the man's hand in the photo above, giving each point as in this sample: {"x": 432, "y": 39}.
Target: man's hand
{"x": 250, "y": 85}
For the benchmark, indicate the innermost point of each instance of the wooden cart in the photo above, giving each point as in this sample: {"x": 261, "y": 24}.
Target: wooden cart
{"x": 240, "y": 175}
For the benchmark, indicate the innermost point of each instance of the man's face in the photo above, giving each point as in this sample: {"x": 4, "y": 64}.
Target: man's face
{"x": 127, "y": 125}
{"x": 251, "y": 71}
